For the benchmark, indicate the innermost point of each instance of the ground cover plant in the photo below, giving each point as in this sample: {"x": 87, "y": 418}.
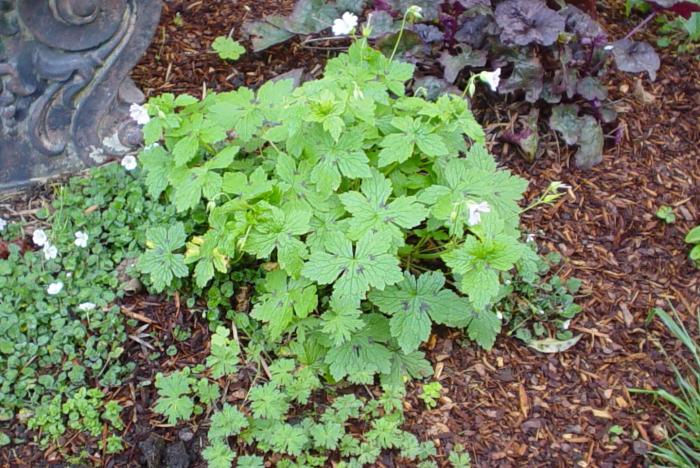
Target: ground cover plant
{"x": 62, "y": 337}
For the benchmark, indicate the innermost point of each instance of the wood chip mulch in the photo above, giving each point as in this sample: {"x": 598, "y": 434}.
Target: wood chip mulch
{"x": 512, "y": 406}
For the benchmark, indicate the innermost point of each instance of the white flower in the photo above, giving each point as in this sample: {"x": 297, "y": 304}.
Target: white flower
{"x": 139, "y": 114}
{"x": 151, "y": 146}
{"x": 129, "y": 162}
{"x": 54, "y": 288}
{"x": 87, "y": 306}
{"x": 499, "y": 315}
{"x": 565, "y": 325}
{"x": 491, "y": 78}
{"x": 50, "y": 251}
{"x": 475, "y": 210}
{"x": 39, "y": 237}
{"x": 530, "y": 238}
{"x": 414, "y": 13}
{"x": 3, "y": 223}
{"x": 609, "y": 47}
{"x": 345, "y": 24}
{"x": 81, "y": 239}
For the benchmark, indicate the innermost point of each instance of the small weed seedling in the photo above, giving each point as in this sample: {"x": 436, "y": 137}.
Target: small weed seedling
{"x": 666, "y": 214}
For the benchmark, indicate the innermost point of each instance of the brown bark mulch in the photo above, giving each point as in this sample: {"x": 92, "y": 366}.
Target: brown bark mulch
{"x": 512, "y": 406}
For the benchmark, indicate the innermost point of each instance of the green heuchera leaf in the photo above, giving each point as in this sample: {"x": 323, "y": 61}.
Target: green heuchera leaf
{"x": 693, "y": 236}
{"x": 415, "y": 303}
{"x": 160, "y": 260}
{"x": 584, "y": 131}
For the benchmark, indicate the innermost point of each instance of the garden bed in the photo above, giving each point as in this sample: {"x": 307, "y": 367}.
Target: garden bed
{"x": 511, "y": 406}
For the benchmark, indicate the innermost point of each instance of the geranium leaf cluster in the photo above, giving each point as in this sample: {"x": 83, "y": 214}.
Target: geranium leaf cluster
{"x": 55, "y": 347}
{"x": 279, "y": 416}
{"x": 340, "y": 188}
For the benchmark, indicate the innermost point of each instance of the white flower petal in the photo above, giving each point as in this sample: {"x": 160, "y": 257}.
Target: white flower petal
{"x": 87, "y": 306}
{"x": 129, "y": 162}
{"x": 50, "y": 251}
{"x": 54, "y": 288}
{"x": 139, "y": 114}
{"x": 40, "y": 238}
{"x": 344, "y": 25}
{"x": 475, "y": 211}
{"x": 3, "y": 224}
{"x": 81, "y": 239}
{"x": 491, "y": 78}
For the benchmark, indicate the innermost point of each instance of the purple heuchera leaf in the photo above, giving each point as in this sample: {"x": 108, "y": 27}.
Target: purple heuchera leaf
{"x": 475, "y": 30}
{"x": 635, "y": 57}
{"x": 428, "y": 32}
{"x": 579, "y": 23}
{"x": 467, "y": 4}
{"x": 584, "y": 131}
{"x": 453, "y": 64}
{"x": 382, "y": 5}
{"x": 682, "y": 8}
{"x": 382, "y": 23}
{"x": 528, "y": 139}
{"x": 528, "y": 76}
{"x": 526, "y": 22}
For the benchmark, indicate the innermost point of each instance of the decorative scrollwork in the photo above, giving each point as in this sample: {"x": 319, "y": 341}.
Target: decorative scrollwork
{"x": 60, "y": 81}
{"x": 75, "y": 12}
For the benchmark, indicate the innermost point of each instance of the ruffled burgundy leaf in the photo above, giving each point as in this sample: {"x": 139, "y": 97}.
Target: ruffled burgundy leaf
{"x": 525, "y": 22}
{"x": 635, "y": 57}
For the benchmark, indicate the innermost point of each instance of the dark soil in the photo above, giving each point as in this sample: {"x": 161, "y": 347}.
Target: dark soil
{"x": 511, "y": 406}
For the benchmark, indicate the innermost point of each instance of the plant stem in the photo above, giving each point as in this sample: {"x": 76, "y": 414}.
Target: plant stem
{"x": 398, "y": 40}
{"x": 641, "y": 25}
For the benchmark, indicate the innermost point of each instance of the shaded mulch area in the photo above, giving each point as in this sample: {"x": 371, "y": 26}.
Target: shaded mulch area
{"x": 511, "y": 406}
{"x": 515, "y": 407}
{"x": 180, "y": 59}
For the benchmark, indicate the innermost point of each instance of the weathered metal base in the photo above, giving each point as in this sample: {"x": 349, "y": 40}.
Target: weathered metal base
{"x": 65, "y": 89}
